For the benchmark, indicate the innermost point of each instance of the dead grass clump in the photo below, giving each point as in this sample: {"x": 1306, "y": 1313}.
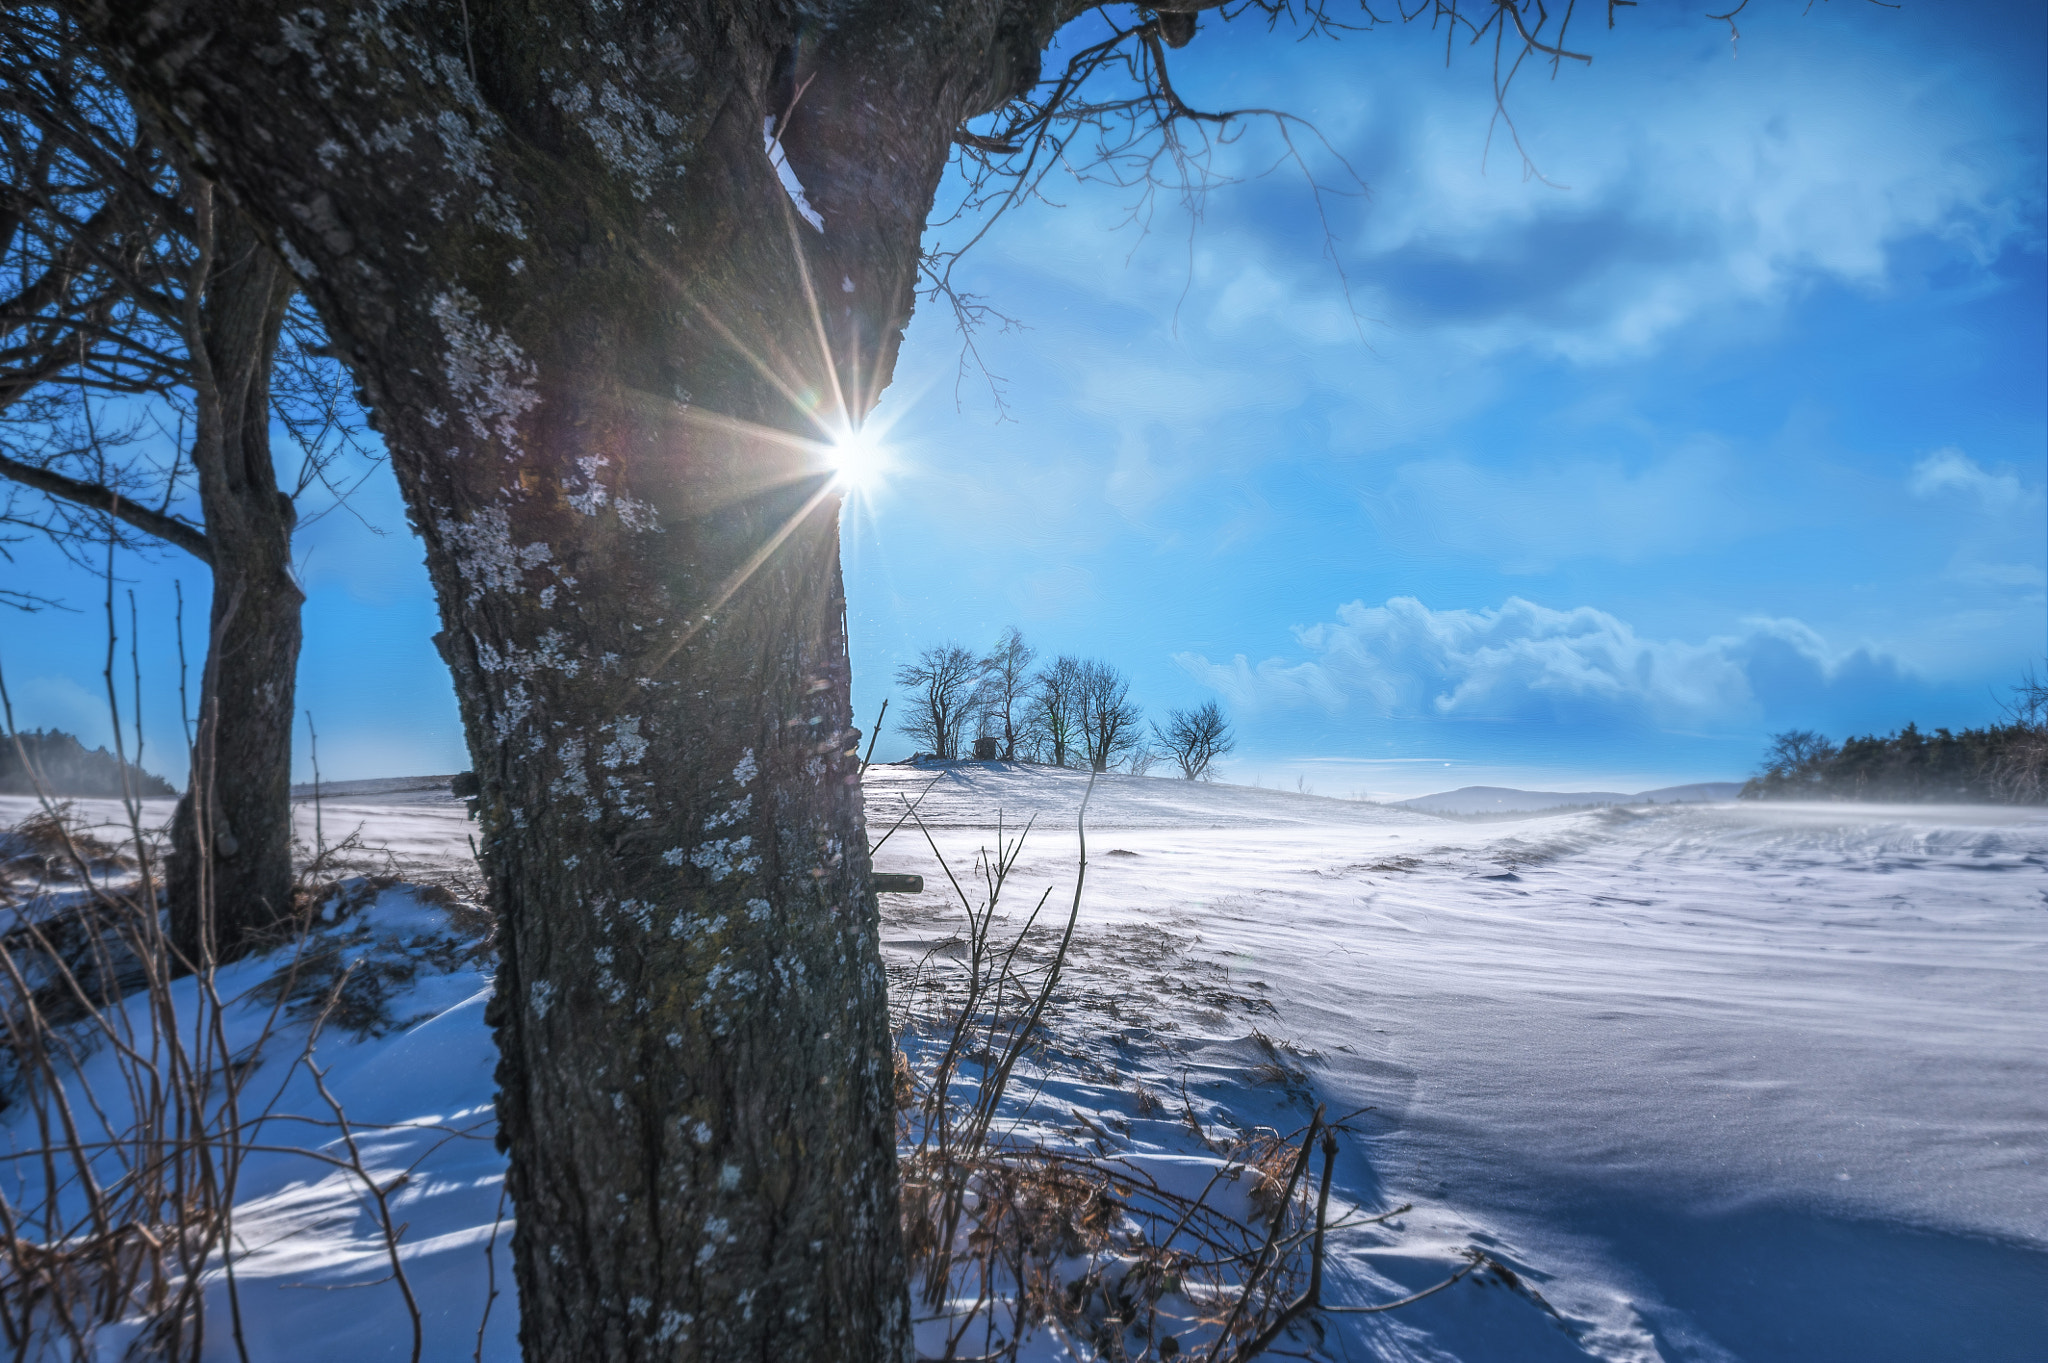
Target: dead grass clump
{"x": 53, "y": 845}
{"x": 1268, "y": 1159}
{"x": 1284, "y": 1063}
{"x": 1273, "y": 1073}
{"x": 906, "y": 1082}
{"x": 469, "y": 913}
{"x": 348, "y": 972}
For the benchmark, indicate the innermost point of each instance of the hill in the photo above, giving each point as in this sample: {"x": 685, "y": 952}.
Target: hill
{"x": 1507, "y": 800}
{"x": 69, "y": 769}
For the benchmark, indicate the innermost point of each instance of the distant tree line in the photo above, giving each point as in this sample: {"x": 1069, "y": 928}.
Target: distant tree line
{"x": 2002, "y": 763}
{"x": 58, "y": 764}
{"x": 1071, "y": 712}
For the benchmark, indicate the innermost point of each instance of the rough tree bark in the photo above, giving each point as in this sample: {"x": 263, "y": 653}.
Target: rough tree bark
{"x": 230, "y": 872}
{"x": 588, "y": 320}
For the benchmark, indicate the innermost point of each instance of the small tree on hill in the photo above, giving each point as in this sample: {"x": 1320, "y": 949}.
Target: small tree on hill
{"x": 1195, "y": 738}
{"x": 944, "y": 686}
{"x": 1112, "y": 725}
{"x": 1797, "y": 750}
{"x": 1006, "y": 690}
{"x": 1798, "y": 759}
{"x": 1053, "y": 711}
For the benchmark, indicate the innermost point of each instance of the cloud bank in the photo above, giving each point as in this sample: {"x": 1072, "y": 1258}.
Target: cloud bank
{"x": 1524, "y": 661}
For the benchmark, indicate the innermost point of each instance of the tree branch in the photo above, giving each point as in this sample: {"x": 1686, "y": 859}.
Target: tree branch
{"x": 100, "y": 498}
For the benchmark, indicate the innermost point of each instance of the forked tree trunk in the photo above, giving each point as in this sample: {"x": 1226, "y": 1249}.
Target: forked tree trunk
{"x": 230, "y": 873}
{"x": 589, "y": 321}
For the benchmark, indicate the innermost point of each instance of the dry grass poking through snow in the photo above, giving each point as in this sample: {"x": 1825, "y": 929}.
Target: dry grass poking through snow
{"x": 48, "y": 849}
{"x": 143, "y": 1081}
{"x": 1047, "y": 1212}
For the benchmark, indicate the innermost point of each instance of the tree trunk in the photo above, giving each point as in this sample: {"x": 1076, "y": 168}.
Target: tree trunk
{"x": 599, "y": 341}
{"x": 230, "y": 873}
{"x": 94, "y": 297}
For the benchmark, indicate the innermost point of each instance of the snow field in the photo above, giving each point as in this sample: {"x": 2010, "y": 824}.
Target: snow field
{"x": 1722, "y": 1081}
{"x": 312, "y": 1269}
{"x": 1715, "y": 1082}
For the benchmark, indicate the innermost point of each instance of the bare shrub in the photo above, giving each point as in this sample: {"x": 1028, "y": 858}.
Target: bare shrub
{"x": 129, "y": 1190}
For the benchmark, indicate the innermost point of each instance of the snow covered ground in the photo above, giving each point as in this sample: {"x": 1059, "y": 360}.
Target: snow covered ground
{"x": 1720, "y": 1082}
{"x": 1728, "y": 1081}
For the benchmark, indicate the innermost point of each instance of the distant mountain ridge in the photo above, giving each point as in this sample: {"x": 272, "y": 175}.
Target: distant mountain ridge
{"x": 1506, "y": 800}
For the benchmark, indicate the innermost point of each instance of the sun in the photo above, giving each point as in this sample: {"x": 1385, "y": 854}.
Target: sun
{"x": 858, "y": 459}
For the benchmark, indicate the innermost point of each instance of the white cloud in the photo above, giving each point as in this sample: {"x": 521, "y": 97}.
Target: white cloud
{"x": 1689, "y": 187}
{"x": 1526, "y": 661}
{"x": 1996, "y": 519}
{"x": 1950, "y": 470}
{"x": 1728, "y": 185}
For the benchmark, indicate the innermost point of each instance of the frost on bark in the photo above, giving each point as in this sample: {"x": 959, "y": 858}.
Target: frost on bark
{"x": 587, "y": 315}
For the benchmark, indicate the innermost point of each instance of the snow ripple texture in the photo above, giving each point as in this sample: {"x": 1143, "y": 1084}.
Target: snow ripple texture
{"x": 1732, "y": 1081}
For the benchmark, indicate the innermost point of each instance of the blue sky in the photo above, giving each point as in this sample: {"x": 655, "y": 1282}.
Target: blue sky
{"x": 1737, "y": 423}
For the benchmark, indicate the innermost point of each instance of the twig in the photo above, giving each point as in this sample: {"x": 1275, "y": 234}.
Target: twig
{"x": 319, "y": 833}
{"x": 876, "y": 734}
{"x": 382, "y": 1194}
{"x": 1266, "y": 1252}
{"x": 491, "y": 1271}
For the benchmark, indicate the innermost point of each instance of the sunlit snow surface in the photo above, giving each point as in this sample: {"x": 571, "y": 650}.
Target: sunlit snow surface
{"x": 1722, "y": 1082}
{"x": 1729, "y": 1081}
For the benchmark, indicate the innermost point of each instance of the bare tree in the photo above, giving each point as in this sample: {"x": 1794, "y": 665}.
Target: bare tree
{"x": 1195, "y": 738}
{"x": 1112, "y": 725}
{"x": 613, "y": 278}
{"x": 943, "y": 687}
{"x": 1006, "y": 690}
{"x": 1053, "y": 712}
{"x": 2020, "y": 773}
{"x": 127, "y": 279}
{"x": 1796, "y": 752}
